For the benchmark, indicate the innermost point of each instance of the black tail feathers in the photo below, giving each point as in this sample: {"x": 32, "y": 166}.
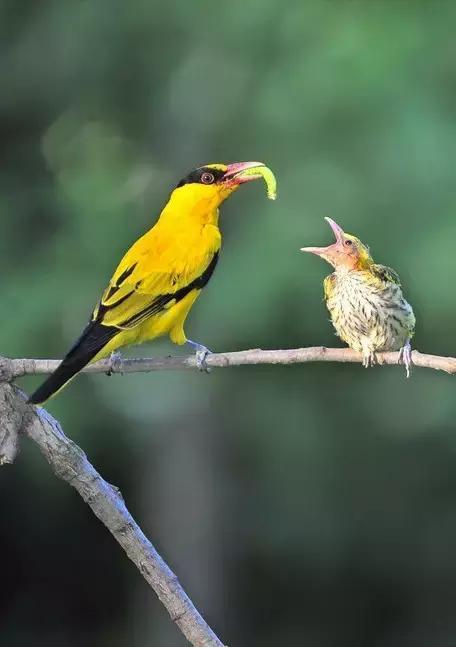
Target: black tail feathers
{"x": 91, "y": 342}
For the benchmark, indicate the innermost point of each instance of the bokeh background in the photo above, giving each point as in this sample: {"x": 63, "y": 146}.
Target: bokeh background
{"x": 305, "y": 505}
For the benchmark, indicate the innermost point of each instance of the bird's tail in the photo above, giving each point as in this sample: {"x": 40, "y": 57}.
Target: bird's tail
{"x": 92, "y": 341}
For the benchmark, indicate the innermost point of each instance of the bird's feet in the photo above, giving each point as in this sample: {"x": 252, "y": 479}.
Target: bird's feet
{"x": 201, "y": 352}
{"x": 369, "y": 359}
{"x": 405, "y": 357}
{"x": 115, "y": 363}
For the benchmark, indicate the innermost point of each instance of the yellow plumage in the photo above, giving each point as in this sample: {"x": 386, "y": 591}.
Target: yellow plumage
{"x": 160, "y": 277}
{"x": 166, "y": 260}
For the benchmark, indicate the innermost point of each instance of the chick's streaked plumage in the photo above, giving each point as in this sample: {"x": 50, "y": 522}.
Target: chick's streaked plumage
{"x": 368, "y": 310}
{"x": 365, "y": 300}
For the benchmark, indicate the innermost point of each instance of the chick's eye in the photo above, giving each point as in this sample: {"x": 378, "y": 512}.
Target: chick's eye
{"x": 207, "y": 178}
{"x": 348, "y": 243}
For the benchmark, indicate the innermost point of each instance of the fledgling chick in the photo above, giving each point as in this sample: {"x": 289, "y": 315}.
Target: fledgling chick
{"x": 365, "y": 300}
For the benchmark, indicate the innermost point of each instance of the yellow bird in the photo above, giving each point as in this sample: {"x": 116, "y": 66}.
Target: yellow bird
{"x": 162, "y": 274}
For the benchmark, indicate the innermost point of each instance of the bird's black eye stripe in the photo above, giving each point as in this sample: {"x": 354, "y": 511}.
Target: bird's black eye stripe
{"x": 202, "y": 175}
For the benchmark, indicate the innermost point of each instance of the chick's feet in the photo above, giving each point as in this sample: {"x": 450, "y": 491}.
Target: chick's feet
{"x": 201, "y": 352}
{"x": 369, "y": 359}
{"x": 405, "y": 357}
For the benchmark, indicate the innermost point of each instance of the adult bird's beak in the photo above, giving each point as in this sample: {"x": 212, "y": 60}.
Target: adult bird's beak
{"x": 241, "y": 172}
{"x": 323, "y": 251}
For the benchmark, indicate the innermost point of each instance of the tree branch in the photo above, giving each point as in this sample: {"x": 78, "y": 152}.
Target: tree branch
{"x": 70, "y": 463}
{"x": 13, "y": 368}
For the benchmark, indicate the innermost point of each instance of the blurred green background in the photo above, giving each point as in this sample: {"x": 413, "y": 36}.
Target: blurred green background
{"x": 305, "y": 505}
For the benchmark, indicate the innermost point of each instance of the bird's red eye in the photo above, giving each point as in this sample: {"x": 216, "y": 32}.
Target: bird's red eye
{"x": 348, "y": 243}
{"x": 207, "y": 178}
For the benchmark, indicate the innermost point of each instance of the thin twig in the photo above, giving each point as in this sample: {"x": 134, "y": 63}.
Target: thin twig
{"x": 13, "y": 368}
{"x": 69, "y": 463}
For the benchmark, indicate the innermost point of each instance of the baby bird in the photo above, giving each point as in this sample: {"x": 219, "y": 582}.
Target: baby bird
{"x": 365, "y": 300}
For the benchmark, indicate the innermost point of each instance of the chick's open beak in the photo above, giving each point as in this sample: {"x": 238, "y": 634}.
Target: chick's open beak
{"x": 338, "y": 233}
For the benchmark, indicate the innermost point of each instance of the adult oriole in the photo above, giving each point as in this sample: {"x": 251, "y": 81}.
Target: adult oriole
{"x": 365, "y": 300}
{"x": 162, "y": 274}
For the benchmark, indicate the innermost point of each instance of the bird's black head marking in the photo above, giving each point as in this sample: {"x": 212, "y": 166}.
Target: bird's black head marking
{"x": 203, "y": 175}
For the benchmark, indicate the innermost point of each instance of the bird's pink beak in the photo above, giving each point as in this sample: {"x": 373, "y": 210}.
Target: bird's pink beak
{"x": 330, "y": 249}
{"x": 240, "y": 172}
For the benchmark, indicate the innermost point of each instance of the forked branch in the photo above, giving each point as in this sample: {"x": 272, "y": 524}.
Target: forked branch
{"x": 70, "y": 463}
